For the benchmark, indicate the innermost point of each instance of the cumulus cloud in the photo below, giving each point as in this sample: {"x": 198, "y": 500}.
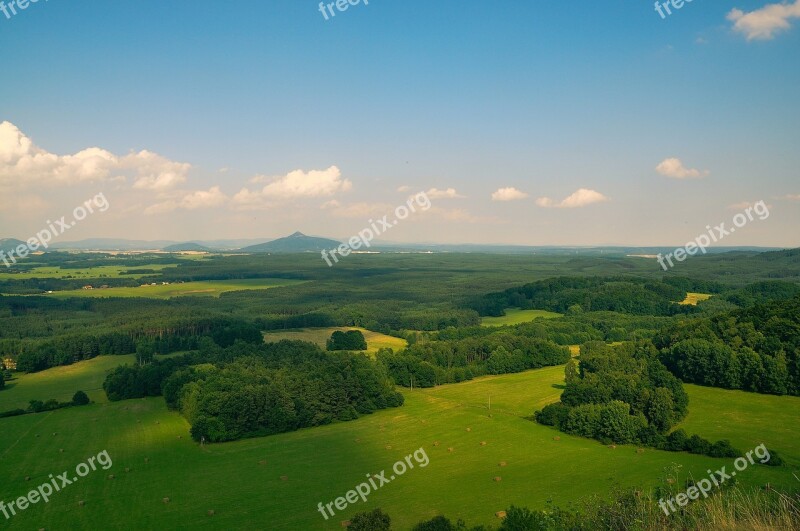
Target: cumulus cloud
{"x": 298, "y": 183}
{"x": 580, "y": 198}
{"x": 765, "y": 22}
{"x": 508, "y": 194}
{"x": 450, "y": 193}
{"x": 792, "y": 197}
{"x": 675, "y": 169}
{"x": 24, "y": 163}
{"x": 403, "y": 189}
{"x": 190, "y": 200}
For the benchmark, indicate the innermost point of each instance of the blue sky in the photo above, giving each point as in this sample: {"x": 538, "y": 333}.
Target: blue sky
{"x": 266, "y": 119}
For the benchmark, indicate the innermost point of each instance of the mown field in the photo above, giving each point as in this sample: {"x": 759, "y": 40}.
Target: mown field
{"x": 323, "y": 463}
{"x": 693, "y": 298}
{"x": 516, "y": 316}
{"x": 204, "y": 287}
{"x": 320, "y": 336}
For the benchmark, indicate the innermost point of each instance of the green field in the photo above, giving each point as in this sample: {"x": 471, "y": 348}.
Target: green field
{"x": 204, "y": 287}
{"x": 323, "y": 463}
{"x": 84, "y": 273}
{"x": 516, "y": 316}
{"x": 320, "y": 336}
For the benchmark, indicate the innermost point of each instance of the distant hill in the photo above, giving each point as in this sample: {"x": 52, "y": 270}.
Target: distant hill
{"x": 7, "y": 244}
{"x": 296, "y": 243}
{"x": 184, "y": 247}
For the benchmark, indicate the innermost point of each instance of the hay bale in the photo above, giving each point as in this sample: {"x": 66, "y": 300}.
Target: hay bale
{"x": 81, "y": 503}
{"x": 165, "y": 500}
{"x": 111, "y": 476}
{"x": 262, "y": 462}
{"x": 127, "y": 469}
{"x": 284, "y": 478}
{"x": 502, "y": 463}
{"x": 640, "y": 450}
{"x": 180, "y": 436}
{"x": 345, "y": 523}
{"x": 61, "y": 450}
{"x": 613, "y": 446}
{"x": 469, "y": 429}
{"x": 158, "y": 422}
{"x": 450, "y": 449}
{"x": 388, "y": 447}
{"x": 27, "y": 478}
{"x": 55, "y": 433}
{"x": 483, "y": 443}
{"x": 500, "y": 514}
{"x": 498, "y": 478}
{"x": 436, "y": 443}
{"x": 211, "y": 512}
{"x": 556, "y": 438}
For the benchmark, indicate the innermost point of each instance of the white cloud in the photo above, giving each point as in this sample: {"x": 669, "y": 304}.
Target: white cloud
{"x": 315, "y": 183}
{"x": 508, "y": 194}
{"x": 792, "y": 197}
{"x": 23, "y": 163}
{"x": 580, "y": 198}
{"x": 765, "y": 22}
{"x": 190, "y": 200}
{"x": 450, "y": 193}
{"x": 675, "y": 169}
{"x": 403, "y": 189}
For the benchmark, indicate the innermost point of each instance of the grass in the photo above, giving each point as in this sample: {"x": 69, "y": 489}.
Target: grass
{"x": 515, "y": 316}
{"x": 324, "y": 463}
{"x": 204, "y": 287}
{"x": 85, "y": 273}
{"x": 320, "y": 336}
{"x": 693, "y": 298}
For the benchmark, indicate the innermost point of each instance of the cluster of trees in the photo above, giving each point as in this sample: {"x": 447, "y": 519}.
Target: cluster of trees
{"x": 589, "y": 294}
{"x": 37, "y": 406}
{"x": 349, "y": 340}
{"x": 625, "y": 395}
{"x": 248, "y": 390}
{"x": 754, "y": 349}
{"x": 447, "y": 361}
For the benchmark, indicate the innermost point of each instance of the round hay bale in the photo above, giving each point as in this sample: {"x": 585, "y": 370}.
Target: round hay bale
{"x": 345, "y": 523}
{"x": 502, "y": 463}
{"x": 388, "y": 446}
{"x": 500, "y": 514}
{"x": 498, "y": 478}
{"x": 111, "y": 476}
{"x": 483, "y": 443}
{"x": 556, "y": 438}
{"x": 436, "y": 443}
{"x": 180, "y": 436}
{"x": 613, "y": 446}
{"x": 81, "y": 503}
{"x": 165, "y": 500}
{"x": 450, "y": 449}
{"x": 61, "y": 450}
{"x": 211, "y": 512}
{"x": 469, "y": 429}
{"x": 55, "y": 433}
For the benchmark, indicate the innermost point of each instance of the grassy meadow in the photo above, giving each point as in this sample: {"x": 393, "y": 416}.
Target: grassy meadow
{"x": 515, "y": 316}
{"x": 211, "y": 288}
{"x": 693, "y": 298}
{"x": 320, "y": 464}
{"x": 320, "y": 336}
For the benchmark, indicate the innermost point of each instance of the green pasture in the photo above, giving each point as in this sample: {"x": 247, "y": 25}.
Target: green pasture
{"x": 160, "y": 291}
{"x": 515, "y": 316}
{"x": 276, "y": 482}
{"x": 320, "y": 336}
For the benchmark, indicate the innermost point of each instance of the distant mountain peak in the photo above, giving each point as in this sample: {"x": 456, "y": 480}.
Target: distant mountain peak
{"x": 297, "y": 234}
{"x": 296, "y": 243}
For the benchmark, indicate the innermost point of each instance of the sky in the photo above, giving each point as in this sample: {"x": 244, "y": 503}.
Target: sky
{"x": 523, "y": 121}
